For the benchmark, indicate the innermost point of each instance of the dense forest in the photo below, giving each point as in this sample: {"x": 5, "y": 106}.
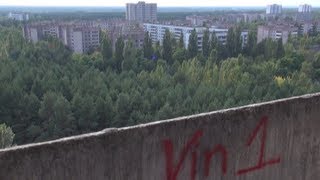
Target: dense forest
{"x": 47, "y": 92}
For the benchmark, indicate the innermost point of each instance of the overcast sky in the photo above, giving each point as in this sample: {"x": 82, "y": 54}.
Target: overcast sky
{"x": 160, "y": 2}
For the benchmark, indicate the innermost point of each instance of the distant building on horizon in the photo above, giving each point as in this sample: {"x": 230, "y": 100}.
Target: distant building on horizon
{"x": 305, "y": 8}
{"x": 141, "y": 12}
{"x": 196, "y": 20}
{"x": 18, "y": 16}
{"x": 274, "y": 9}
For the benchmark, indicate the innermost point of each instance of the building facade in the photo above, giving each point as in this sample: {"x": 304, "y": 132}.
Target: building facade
{"x": 276, "y": 32}
{"x": 141, "y": 12}
{"x": 81, "y": 39}
{"x": 157, "y": 32}
{"x": 305, "y": 8}
{"x": 18, "y": 16}
{"x": 196, "y": 20}
{"x": 274, "y": 9}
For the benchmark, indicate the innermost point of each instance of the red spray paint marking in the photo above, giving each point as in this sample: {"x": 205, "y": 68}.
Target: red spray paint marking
{"x": 261, "y": 163}
{"x": 194, "y": 168}
{"x": 173, "y": 171}
{"x": 210, "y": 154}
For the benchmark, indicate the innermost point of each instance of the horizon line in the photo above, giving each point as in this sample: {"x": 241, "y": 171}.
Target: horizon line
{"x": 99, "y": 6}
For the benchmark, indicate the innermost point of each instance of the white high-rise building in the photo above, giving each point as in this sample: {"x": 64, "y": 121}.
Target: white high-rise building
{"x": 305, "y": 8}
{"x": 141, "y": 12}
{"x": 274, "y": 9}
{"x": 157, "y": 32}
{"x": 18, "y": 16}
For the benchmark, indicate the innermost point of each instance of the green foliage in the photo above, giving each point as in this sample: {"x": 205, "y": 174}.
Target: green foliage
{"x": 119, "y": 47}
{"x": 181, "y": 42}
{"x": 213, "y": 42}
{"x": 206, "y": 44}
{"x": 230, "y": 44}
{"x": 167, "y": 50}
{"x": 193, "y": 44}
{"x": 280, "y": 49}
{"x": 6, "y": 136}
{"x": 47, "y": 93}
{"x": 251, "y": 47}
{"x": 106, "y": 47}
{"x": 147, "y": 46}
{"x": 129, "y": 56}
{"x": 234, "y": 42}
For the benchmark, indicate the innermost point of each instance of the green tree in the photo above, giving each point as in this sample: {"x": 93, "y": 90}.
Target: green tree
{"x": 213, "y": 41}
{"x": 237, "y": 41}
{"x": 230, "y": 44}
{"x": 250, "y": 47}
{"x": 6, "y": 136}
{"x": 147, "y": 46}
{"x": 167, "y": 50}
{"x": 181, "y": 41}
{"x": 157, "y": 50}
{"x": 193, "y": 44}
{"x": 129, "y": 55}
{"x": 119, "y": 46}
{"x": 280, "y": 49}
{"x": 106, "y": 47}
{"x": 57, "y": 117}
{"x": 213, "y": 58}
{"x": 206, "y": 44}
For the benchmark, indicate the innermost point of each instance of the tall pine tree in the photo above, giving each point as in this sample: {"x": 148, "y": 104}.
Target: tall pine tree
{"x": 106, "y": 47}
{"x": 147, "y": 46}
{"x": 213, "y": 42}
{"x": 167, "y": 47}
{"x": 193, "y": 44}
{"x": 181, "y": 41}
{"x": 119, "y": 53}
{"x": 205, "y": 44}
{"x": 237, "y": 41}
{"x": 230, "y": 42}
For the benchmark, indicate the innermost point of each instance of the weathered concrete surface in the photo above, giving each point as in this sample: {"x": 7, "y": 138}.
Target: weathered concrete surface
{"x": 291, "y": 150}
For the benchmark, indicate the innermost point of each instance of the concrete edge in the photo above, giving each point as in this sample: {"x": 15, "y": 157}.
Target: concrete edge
{"x": 112, "y": 130}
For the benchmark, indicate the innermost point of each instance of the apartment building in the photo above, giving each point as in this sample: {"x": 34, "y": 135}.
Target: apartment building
{"x": 274, "y": 9}
{"x": 128, "y": 31}
{"x": 80, "y": 38}
{"x": 309, "y": 26}
{"x": 18, "y": 16}
{"x": 276, "y": 32}
{"x": 196, "y": 20}
{"x": 305, "y": 8}
{"x": 157, "y": 32}
{"x": 141, "y": 12}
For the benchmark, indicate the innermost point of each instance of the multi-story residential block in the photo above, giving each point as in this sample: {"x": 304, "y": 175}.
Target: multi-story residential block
{"x": 18, "y": 16}
{"x": 84, "y": 39}
{"x": 305, "y": 8}
{"x": 128, "y": 31}
{"x": 196, "y": 20}
{"x": 304, "y": 13}
{"x": 141, "y": 12}
{"x": 276, "y": 32}
{"x": 157, "y": 32}
{"x": 308, "y": 27}
{"x": 274, "y": 9}
{"x": 80, "y": 39}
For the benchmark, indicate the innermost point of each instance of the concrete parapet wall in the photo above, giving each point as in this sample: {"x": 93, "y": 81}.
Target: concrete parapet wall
{"x": 278, "y": 140}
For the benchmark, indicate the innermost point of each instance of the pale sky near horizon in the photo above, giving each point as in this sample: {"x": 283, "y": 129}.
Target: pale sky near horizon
{"x": 188, "y": 3}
